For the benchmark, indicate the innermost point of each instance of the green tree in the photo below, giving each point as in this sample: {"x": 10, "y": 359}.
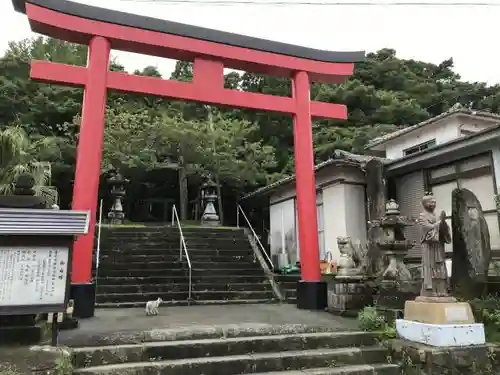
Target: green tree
{"x": 21, "y": 154}
{"x": 38, "y": 107}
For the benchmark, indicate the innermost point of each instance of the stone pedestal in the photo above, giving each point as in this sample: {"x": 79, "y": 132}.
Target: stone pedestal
{"x": 347, "y": 295}
{"x": 210, "y": 217}
{"x": 19, "y": 330}
{"x": 439, "y": 310}
{"x": 392, "y": 296}
{"x": 440, "y": 321}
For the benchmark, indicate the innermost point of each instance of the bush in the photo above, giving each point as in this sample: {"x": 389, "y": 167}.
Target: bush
{"x": 487, "y": 311}
{"x": 369, "y": 320}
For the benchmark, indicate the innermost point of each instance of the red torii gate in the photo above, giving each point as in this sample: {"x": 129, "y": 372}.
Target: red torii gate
{"x": 211, "y": 51}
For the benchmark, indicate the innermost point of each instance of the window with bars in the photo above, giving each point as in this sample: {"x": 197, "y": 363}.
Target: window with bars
{"x": 420, "y": 147}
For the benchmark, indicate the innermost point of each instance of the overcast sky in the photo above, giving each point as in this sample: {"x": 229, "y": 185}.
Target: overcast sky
{"x": 467, "y": 33}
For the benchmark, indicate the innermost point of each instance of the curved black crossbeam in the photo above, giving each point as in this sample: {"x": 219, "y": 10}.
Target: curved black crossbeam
{"x": 189, "y": 31}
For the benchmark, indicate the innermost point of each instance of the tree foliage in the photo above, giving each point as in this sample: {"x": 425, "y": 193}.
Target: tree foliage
{"x": 20, "y": 154}
{"x": 244, "y": 148}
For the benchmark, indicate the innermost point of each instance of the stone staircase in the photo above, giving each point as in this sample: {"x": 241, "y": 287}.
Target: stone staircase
{"x": 288, "y": 286}
{"x": 261, "y": 351}
{"x": 142, "y": 264}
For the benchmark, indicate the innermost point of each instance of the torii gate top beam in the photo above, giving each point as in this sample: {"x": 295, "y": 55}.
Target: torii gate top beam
{"x": 69, "y": 21}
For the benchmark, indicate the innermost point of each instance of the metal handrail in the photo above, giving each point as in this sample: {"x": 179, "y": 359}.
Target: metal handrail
{"x": 256, "y": 238}
{"x": 98, "y": 250}
{"x": 182, "y": 246}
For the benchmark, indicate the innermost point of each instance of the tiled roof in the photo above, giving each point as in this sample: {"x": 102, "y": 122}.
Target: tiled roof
{"x": 452, "y": 111}
{"x": 339, "y": 157}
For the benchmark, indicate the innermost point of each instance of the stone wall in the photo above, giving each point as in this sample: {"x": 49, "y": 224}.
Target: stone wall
{"x": 36, "y": 360}
{"x": 418, "y": 359}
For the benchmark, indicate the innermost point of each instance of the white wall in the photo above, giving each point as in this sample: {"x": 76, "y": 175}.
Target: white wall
{"x": 344, "y": 210}
{"x": 282, "y": 229}
{"x": 442, "y": 131}
{"x": 334, "y": 199}
{"x": 345, "y": 215}
{"x": 356, "y": 213}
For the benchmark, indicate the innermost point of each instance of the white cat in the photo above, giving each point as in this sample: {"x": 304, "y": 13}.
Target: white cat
{"x": 153, "y": 307}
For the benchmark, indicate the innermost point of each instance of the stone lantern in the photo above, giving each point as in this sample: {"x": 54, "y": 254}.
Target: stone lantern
{"x": 209, "y": 200}
{"x": 117, "y": 185}
{"x": 393, "y": 243}
{"x": 396, "y": 284}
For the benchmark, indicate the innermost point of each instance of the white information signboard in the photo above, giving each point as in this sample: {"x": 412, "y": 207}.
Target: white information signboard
{"x": 33, "y": 276}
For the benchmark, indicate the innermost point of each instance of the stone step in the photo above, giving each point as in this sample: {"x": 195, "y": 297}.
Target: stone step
{"x": 173, "y": 234}
{"x": 178, "y": 287}
{"x": 375, "y": 369}
{"x": 124, "y": 257}
{"x": 20, "y": 335}
{"x": 170, "y": 350}
{"x": 172, "y": 229}
{"x": 174, "y": 242}
{"x": 178, "y": 296}
{"x": 172, "y": 248}
{"x": 191, "y": 332}
{"x": 179, "y": 265}
{"x": 243, "y": 270}
{"x": 248, "y": 363}
{"x": 198, "y": 251}
{"x": 111, "y": 305}
{"x": 136, "y": 280}
{"x": 170, "y": 234}
{"x": 104, "y": 267}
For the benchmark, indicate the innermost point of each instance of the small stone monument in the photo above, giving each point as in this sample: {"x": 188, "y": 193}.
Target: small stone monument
{"x": 117, "y": 184}
{"x": 376, "y": 200}
{"x": 471, "y": 245}
{"x": 348, "y": 292}
{"x": 435, "y": 318}
{"x": 209, "y": 199}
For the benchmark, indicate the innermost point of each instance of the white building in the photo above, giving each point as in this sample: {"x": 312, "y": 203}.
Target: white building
{"x": 459, "y": 148}
{"x": 340, "y": 190}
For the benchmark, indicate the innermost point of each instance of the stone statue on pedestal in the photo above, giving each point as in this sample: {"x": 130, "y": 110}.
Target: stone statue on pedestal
{"x": 436, "y": 318}
{"x": 352, "y": 261}
{"x": 435, "y": 233}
